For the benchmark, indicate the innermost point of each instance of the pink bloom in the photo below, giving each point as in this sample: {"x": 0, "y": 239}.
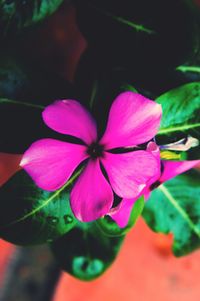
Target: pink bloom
{"x": 133, "y": 120}
{"x": 170, "y": 169}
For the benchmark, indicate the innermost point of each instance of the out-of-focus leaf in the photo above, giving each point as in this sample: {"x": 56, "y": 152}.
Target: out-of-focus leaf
{"x": 24, "y": 92}
{"x": 86, "y": 252}
{"x": 102, "y": 87}
{"x": 174, "y": 207}
{"x": 16, "y": 15}
{"x": 20, "y": 125}
{"x": 138, "y": 34}
{"x": 27, "y": 82}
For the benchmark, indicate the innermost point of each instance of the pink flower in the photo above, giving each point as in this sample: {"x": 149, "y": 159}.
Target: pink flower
{"x": 133, "y": 120}
{"x": 170, "y": 169}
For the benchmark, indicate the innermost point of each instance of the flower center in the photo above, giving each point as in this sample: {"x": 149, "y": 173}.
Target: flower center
{"x": 95, "y": 150}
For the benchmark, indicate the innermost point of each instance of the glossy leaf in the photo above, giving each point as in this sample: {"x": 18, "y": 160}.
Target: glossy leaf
{"x": 181, "y": 114}
{"x": 180, "y": 110}
{"x": 29, "y": 215}
{"x": 86, "y": 252}
{"x": 174, "y": 207}
{"x": 110, "y": 228}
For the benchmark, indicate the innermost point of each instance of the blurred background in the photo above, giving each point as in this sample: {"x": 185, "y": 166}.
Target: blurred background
{"x": 145, "y": 270}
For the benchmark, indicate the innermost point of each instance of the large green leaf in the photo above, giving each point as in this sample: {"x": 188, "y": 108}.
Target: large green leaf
{"x": 174, "y": 207}
{"x": 29, "y": 215}
{"x": 181, "y": 115}
{"x": 181, "y": 110}
{"x": 86, "y": 252}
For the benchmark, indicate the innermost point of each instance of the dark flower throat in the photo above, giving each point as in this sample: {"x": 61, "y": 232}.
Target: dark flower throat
{"x": 95, "y": 150}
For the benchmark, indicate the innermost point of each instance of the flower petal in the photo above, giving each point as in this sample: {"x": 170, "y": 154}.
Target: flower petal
{"x": 130, "y": 172}
{"x": 71, "y": 118}
{"x": 122, "y": 212}
{"x": 50, "y": 162}
{"x": 133, "y": 120}
{"x": 173, "y": 168}
{"x": 92, "y": 196}
{"x": 153, "y": 148}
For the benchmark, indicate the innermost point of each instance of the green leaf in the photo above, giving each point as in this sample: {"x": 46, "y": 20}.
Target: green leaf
{"x": 186, "y": 68}
{"x": 128, "y": 87}
{"x": 26, "y": 80}
{"x": 174, "y": 207}
{"x": 15, "y": 15}
{"x": 135, "y": 26}
{"x": 181, "y": 110}
{"x": 181, "y": 115}
{"x": 24, "y": 92}
{"x": 29, "y": 215}
{"x": 46, "y": 8}
{"x": 86, "y": 252}
{"x": 110, "y": 228}
{"x": 20, "y": 103}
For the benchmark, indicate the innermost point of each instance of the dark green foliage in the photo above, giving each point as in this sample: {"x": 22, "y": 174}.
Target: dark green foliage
{"x": 139, "y": 34}
{"x": 181, "y": 115}
{"x": 26, "y": 82}
{"x": 16, "y": 15}
{"x": 174, "y": 207}
{"x": 29, "y": 215}
{"x": 21, "y": 124}
{"x": 181, "y": 110}
{"x": 24, "y": 92}
{"x": 86, "y": 252}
